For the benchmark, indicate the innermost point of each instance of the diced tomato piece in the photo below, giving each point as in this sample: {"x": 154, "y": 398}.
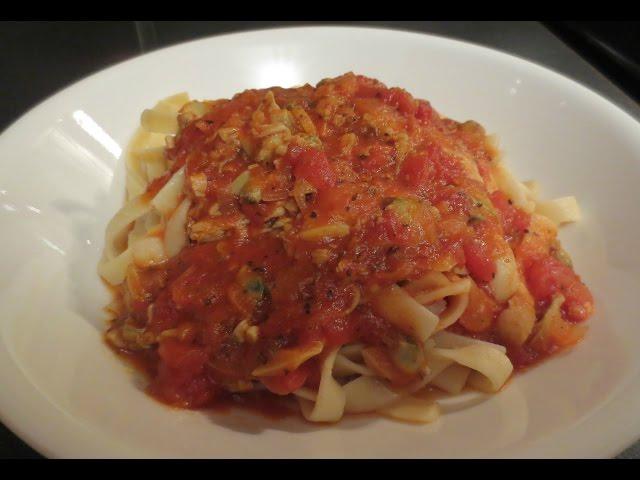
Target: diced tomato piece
{"x": 380, "y": 156}
{"x": 369, "y": 88}
{"x": 311, "y": 165}
{"x": 542, "y": 278}
{"x": 164, "y": 314}
{"x": 138, "y": 307}
{"x": 549, "y": 276}
{"x": 311, "y": 333}
{"x": 520, "y": 220}
{"x": 196, "y": 288}
{"x": 480, "y": 312}
{"x": 189, "y": 137}
{"x": 286, "y": 383}
{"x": 175, "y": 389}
{"x": 199, "y": 392}
{"x": 181, "y": 380}
{"x": 452, "y": 232}
{"x": 416, "y": 171}
{"x": 479, "y": 260}
{"x": 448, "y": 167}
{"x": 424, "y": 112}
{"x": 397, "y": 232}
{"x": 484, "y": 168}
{"x": 199, "y": 254}
{"x": 421, "y": 169}
{"x": 531, "y": 250}
{"x": 400, "y": 99}
{"x": 514, "y": 220}
{"x": 182, "y": 356}
{"x": 456, "y": 200}
{"x": 329, "y": 323}
{"x": 522, "y": 356}
{"x": 339, "y": 331}
{"x": 275, "y": 187}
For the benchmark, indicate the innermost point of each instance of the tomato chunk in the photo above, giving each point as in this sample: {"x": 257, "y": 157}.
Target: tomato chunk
{"x": 400, "y": 99}
{"x": 181, "y": 380}
{"x": 165, "y": 314}
{"x": 397, "y": 232}
{"x": 416, "y": 171}
{"x": 288, "y": 382}
{"x": 431, "y": 166}
{"x": 514, "y": 220}
{"x": 480, "y": 263}
{"x": 339, "y": 331}
{"x": 549, "y": 276}
{"x": 189, "y": 359}
{"x": 480, "y": 312}
{"x": 380, "y": 157}
{"x": 311, "y": 165}
{"x": 424, "y": 112}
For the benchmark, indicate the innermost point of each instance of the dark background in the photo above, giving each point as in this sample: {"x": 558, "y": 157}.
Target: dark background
{"x": 39, "y": 58}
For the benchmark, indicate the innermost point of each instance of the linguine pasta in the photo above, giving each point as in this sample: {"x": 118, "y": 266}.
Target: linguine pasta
{"x": 344, "y": 245}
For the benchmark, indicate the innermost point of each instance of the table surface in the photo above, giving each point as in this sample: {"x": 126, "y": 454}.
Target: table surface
{"x": 39, "y": 58}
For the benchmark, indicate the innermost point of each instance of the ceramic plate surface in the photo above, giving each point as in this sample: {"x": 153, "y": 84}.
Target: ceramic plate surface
{"x": 62, "y": 178}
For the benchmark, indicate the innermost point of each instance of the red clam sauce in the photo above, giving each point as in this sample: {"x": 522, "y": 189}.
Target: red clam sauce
{"x": 303, "y": 202}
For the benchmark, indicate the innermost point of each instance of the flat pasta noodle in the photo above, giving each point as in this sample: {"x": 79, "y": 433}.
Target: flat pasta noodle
{"x": 153, "y": 159}
{"x": 142, "y": 225}
{"x": 450, "y": 289}
{"x": 175, "y": 234}
{"x": 168, "y": 198}
{"x": 145, "y": 155}
{"x": 330, "y": 399}
{"x": 516, "y": 321}
{"x": 144, "y": 162}
{"x": 176, "y": 101}
{"x": 479, "y": 382}
{"x": 136, "y": 184}
{"x": 289, "y": 359}
{"x": 506, "y": 280}
{"x": 158, "y": 121}
{"x": 429, "y": 282}
{"x": 515, "y": 190}
{"x": 400, "y": 309}
{"x": 368, "y": 394}
{"x": 148, "y": 252}
{"x": 560, "y": 210}
{"x": 119, "y": 225}
{"x": 555, "y": 330}
{"x": 452, "y": 379}
{"x": 435, "y": 365}
{"x": 446, "y": 339}
{"x": 532, "y": 189}
{"x": 437, "y": 308}
{"x": 454, "y": 310}
{"x": 412, "y": 409}
{"x": 145, "y": 146}
{"x": 435, "y": 287}
{"x": 488, "y": 362}
{"x": 352, "y": 351}
{"x": 114, "y": 271}
{"x": 306, "y": 394}
{"x": 345, "y": 367}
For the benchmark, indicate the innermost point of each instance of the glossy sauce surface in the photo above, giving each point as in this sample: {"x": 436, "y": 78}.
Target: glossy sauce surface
{"x": 303, "y": 202}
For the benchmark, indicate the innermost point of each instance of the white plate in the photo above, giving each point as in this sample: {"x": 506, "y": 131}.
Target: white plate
{"x": 62, "y": 178}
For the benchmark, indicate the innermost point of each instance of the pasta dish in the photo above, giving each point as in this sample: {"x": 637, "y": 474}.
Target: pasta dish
{"x": 342, "y": 247}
